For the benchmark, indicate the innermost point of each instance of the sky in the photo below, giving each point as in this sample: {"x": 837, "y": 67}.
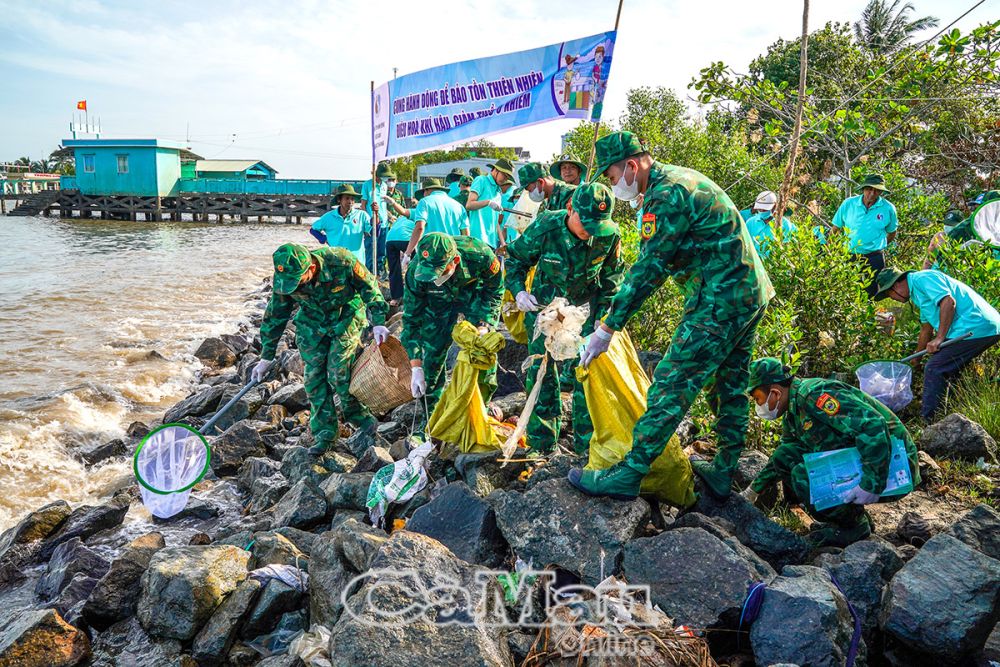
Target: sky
{"x": 288, "y": 81}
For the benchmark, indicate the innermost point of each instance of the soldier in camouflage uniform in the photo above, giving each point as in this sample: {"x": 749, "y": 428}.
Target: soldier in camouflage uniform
{"x": 578, "y": 256}
{"x": 449, "y": 275}
{"x": 692, "y": 230}
{"x": 823, "y": 415}
{"x": 331, "y": 289}
{"x": 552, "y": 194}
{"x": 569, "y": 171}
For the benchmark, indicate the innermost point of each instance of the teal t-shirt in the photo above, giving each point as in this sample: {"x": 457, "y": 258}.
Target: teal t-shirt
{"x": 483, "y": 223}
{"x": 972, "y": 312}
{"x": 401, "y": 230}
{"x": 763, "y": 235}
{"x": 366, "y": 194}
{"x": 346, "y": 232}
{"x": 441, "y": 213}
{"x": 454, "y": 188}
{"x": 866, "y": 228}
{"x": 746, "y": 214}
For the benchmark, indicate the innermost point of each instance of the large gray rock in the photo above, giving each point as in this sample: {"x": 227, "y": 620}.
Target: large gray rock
{"x": 804, "y": 620}
{"x": 198, "y": 404}
{"x": 183, "y": 585}
{"x": 337, "y": 557}
{"x": 373, "y": 459}
{"x": 115, "y": 596}
{"x": 484, "y": 474}
{"x": 298, "y": 464}
{"x": 945, "y": 601}
{"x": 980, "y": 529}
{"x": 359, "y": 638}
{"x": 214, "y": 352}
{"x": 68, "y": 560}
{"x": 461, "y": 521}
{"x": 274, "y": 600}
{"x": 41, "y": 638}
{"x": 772, "y": 542}
{"x": 958, "y": 437}
{"x": 347, "y": 490}
{"x": 86, "y": 521}
{"x": 695, "y": 577}
{"x": 216, "y": 637}
{"x": 36, "y": 525}
{"x": 237, "y": 443}
{"x": 554, "y": 524}
{"x": 126, "y": 644}
{"x": 862, "y": 570}
{"x": 303, "y": 506}
{"x": 265, "y": 492}
{"x": 292, "y": 397}
{"x": 255, "y": 468}
{"x": 272, "y": 548}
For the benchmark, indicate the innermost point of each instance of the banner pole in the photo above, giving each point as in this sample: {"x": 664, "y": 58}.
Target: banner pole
{"x": 375, "y": 214}
{"x": 597, "y": 125}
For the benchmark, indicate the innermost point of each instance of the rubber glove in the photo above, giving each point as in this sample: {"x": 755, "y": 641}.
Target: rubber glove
{"x": 380, "y": 334}
{"x": 404, "y": 261}
{"x": 260, "y": 370}
{"x": 858, "y": 496}
{"x": 418, "y": 386}
{"x": 596, "y": 345}
{"x": 526, "y": 303}
{"x": 496, "y": 205}
{"x": 750, "y": 495}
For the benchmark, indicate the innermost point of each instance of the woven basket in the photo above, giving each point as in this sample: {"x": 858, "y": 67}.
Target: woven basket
{"x": 380, "y": 378}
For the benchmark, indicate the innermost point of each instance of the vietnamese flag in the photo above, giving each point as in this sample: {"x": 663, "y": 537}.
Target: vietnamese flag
{"x": 82, "y": 105}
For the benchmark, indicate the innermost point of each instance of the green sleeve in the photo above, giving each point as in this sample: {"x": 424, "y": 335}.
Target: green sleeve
{"x": 672, "y": 211}
{"x": 364, "y": 284}
{"x": 415, "y": 309}
{"x": 863, "y": 427}
{"x": 522, "y": 254}
{"x": 786, "y": 456}
{"x": 485, "y": 303}
{"x": 610, "y": 278}
{"x": 279, "y": 309}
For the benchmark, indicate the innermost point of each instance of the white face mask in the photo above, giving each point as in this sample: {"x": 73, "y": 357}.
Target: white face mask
{"x": 765, "y": 412}
{"x": 537, "y": 195}
{"x": 391, "y": 183}
{"x": 441, "y": 280}
{"x": 622, "y": 190}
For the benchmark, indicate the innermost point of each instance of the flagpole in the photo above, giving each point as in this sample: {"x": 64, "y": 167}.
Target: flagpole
{"x": 597, "y": 124}
{"x": 375, "y": 215}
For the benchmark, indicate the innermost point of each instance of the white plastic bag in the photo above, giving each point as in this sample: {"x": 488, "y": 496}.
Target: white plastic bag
{"x": 888, "y": 381}
{"x": 313, "y": 647}
{"x": 397, "y": 483}
{"x": 167, "y": 464}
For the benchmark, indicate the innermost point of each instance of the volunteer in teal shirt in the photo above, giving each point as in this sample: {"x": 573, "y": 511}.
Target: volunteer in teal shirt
{"x": 869, "y": 220}
{"x": 435, "y": 212}
{"x": 396, "y": 242}
{"x": 759, "y": 226}
{"x": 344, "y": 226}
{"x": 949, "y": 309}
{"x": 484, "y": 203}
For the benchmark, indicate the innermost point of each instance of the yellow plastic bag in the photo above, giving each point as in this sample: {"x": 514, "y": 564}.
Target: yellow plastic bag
{"x": 615, "y": 387}
{"x": 460, "y": 417}
{"x": 513, "y": 318}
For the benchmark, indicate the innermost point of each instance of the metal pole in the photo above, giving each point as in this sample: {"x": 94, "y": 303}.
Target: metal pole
{"x": 597, "y": 125}
{"x": 375, "y": 215}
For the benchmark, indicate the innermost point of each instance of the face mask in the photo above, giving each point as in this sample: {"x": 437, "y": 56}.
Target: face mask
{"x": 536, "y": 195}
{"x": 622, "y": 190}
{"x": 765, "y": 412}
{"x": 441, "y": 280}
{"x": 391, "y": 183}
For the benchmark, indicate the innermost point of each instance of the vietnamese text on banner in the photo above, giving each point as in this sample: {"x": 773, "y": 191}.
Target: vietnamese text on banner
{"x": 476, "y": 98}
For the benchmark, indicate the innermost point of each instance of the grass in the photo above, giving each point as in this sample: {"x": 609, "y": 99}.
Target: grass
{"x": 977, "y": 396}
{"x": 969, "y": 480}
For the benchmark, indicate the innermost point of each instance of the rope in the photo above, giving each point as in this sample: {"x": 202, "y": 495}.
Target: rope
{"x": 852, "y": 651}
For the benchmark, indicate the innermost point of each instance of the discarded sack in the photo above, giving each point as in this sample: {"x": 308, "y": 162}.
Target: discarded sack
{"x": 460, "y": 417}
{"x": 397, "y": 483}
{"x": 615, "y": 387}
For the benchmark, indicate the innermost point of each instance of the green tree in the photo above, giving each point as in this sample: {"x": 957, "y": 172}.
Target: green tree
{"x": 406, "y": 168}
{"x": 885, "y": 29}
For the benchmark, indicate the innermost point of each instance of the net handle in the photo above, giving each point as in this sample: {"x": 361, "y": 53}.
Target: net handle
{"x": 210, "y": 424}
{"x": 917, "y": 355}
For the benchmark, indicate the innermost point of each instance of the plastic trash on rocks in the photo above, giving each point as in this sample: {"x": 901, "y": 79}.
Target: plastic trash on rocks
{"x": 397, "y": 483}
{"x": 167, "y": 464}
{"x": 313, "y": 647}
{"x": 888, "y": 381}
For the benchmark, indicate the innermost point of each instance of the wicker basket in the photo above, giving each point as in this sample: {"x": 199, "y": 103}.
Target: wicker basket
{"x": 380, "y": 378}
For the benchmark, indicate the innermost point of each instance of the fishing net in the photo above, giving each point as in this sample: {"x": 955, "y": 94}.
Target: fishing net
{"x": 167, "y": 464}
{"x": 888, "y": 381}
{"x": 986, "y": 223}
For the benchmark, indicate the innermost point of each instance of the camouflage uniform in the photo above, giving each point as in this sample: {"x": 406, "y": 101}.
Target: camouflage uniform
{"x": 584, "y": 272}
{"x": 431, "y": 310}
{"x": 562, "y": 192}
{"x": 328, "y": 326}
{"x": 692, "y": 230}
{"x": 824, "y": 415}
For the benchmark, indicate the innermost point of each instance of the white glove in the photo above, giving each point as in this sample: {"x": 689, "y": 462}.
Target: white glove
{"x": 596, "y": 345}
{"x": 496, "y": 205}
{"x": 750, "y": 495}
{"x": 404, "y": 261}
{"x": 858, "y": 496}
{"x": 418, "y": 386}
{"x": 380, "y": 333}
{"x": 259, "y": 370}
{"x": 526, "y": 303}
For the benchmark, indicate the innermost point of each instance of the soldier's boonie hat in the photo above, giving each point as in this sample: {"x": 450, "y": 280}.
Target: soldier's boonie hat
{"x": 613, "y": 148}
{"x": 291, "y": 261}
{"x": 465, "y": 180}
{"x": 530, "y": 173}
{"x": 767, "y": 370}
{"x": 595, "y": 204}
{"x": 475, "y": 171}
{"x": 454, "y": 175}
{"x": 554, "y": 170}
{"x": 389, "y": 175}
{"x": 382, "y": 169}
{"x": 345, "y": 189}
{"x": 886, "y": 279}
{"x": 429, "y": 184}
{"x": 874, "y": 181}
{"x": 432, "y": 256}
{"x": 504, "y": 166}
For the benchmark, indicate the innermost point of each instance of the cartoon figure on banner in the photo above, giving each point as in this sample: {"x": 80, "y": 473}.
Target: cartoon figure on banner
{"x": 584, "y": 80}
{"x": 568, "y": 78}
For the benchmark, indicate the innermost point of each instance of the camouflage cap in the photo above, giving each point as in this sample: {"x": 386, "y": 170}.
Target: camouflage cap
{"x": 530, "y": 173}
{"x": 595, "y": 204}
{"x": 767, "y": 371}
{"x": 613, "y": 148}
{"x": 465, "y": 180}
{"x": 454, "y": 175}
{"x": 554, "y": 170}
{"x": 475, "y": 171}
{"x": 291, "y": 261}
{"x": 432, "y": 256}
{"x": 504, "y": 166}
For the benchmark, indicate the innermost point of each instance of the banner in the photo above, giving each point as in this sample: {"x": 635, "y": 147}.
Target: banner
{"x": 463, "y": 101}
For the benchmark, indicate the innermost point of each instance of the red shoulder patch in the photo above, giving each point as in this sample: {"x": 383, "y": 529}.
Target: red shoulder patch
{"x": 648, "y": 227}
{"x": 828, "y": 404}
